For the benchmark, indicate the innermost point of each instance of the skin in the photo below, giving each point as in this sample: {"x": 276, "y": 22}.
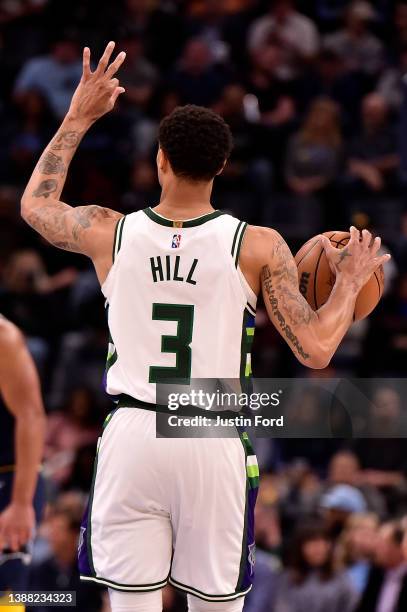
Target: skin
{"x": 265, "y": 259}
{"x": 20, "y": 390}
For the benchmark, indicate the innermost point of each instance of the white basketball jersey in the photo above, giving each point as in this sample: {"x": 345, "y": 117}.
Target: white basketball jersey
{"x": 178, "y": 305}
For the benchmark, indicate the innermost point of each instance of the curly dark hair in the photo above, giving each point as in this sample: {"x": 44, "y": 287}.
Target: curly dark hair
{"x": 196, "y": 141}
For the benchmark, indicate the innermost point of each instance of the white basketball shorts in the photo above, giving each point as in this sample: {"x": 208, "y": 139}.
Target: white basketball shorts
{"x": 170, "y": 510}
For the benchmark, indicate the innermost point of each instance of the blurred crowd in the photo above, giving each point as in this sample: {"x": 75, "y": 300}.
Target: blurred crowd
{"x": 315, "y": 92}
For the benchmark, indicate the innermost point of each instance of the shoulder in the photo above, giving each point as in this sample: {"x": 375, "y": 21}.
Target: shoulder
{"x": 261, "y": 239}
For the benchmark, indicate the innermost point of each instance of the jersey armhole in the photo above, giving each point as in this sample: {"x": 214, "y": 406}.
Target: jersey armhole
{"x": 117, "y": 244}
{"x": 118, "y": 237}
{"x": 235, "y": 252}
{"x": 237, "y": 242}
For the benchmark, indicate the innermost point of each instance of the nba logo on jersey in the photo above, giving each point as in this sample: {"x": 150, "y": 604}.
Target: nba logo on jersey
{"x": 176, "y": 241}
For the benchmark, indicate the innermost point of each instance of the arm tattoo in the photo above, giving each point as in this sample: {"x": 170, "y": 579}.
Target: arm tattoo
{"x": 62, "y": 225}
{"x": 65, "y": 140}
{"x": 281, "y": 288}
{"x": 85, "y": 216}
{"x": 55, "y": 222}
{"x": 45, "y": 188}
{"x": 51, "y": 164}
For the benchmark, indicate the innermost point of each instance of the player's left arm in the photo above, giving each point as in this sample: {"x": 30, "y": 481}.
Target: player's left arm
{"x": 20, "y": 389}
{"x": 83, "y": 229}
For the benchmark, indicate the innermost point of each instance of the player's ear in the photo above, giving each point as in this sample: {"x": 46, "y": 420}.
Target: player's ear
{"x": 162, "y": 161}
{"x": 223, "y": 167}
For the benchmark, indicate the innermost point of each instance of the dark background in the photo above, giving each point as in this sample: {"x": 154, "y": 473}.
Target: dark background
{"x": 316, "y": 99}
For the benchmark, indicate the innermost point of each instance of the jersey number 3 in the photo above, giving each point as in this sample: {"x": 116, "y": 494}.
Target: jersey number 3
{"x": 179, "y": 344}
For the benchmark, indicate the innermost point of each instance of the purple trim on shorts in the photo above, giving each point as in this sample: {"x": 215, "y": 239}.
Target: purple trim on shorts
{"x": 83, "y": 557}
{"x": 248, "y": 575}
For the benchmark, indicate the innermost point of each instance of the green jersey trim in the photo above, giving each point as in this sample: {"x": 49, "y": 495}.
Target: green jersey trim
{"x": 187, "y": 223}
{"x": 239, "y": 244}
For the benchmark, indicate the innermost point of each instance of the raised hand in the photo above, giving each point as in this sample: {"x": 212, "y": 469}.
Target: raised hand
{"x": 357, "y": 261}
{"x": 97, "y": 91}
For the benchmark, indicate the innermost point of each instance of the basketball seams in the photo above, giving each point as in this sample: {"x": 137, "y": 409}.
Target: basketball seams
{"x": 312, "y": 263}
{"x": 315, "y": 278}
{"x": 309, "y": 251}
{"x": 378, "y": 284}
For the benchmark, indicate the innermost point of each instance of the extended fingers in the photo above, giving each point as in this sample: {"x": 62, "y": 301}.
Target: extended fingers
{"x": 366, "y": 239}
{"x": 104, "y": 60}
{"x": 377, "y": 243}
{"x": 86, "y": 63}
{"x": 114, "y": 66}
{"x": 354, "y": 237}
{"x": 380, "y": 261}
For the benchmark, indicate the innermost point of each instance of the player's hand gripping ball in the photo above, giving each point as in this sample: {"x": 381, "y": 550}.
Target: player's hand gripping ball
{"x": 316, "y": 277}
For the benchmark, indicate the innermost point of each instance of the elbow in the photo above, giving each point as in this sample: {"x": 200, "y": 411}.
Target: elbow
{"x": 24, "y": 207}
{"x": 318, "y": 358}
{"x": 319, "y": 362}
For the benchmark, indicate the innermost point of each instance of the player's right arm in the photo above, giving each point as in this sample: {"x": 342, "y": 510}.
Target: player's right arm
{"x": 20, "y": 389}
{"x": 269, "y": 266}
{"x": 82, "y": 229}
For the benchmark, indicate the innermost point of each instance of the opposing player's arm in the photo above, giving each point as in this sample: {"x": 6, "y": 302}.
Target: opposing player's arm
{"x": 20, "y": 389}
{"x": 84, "y": 229}
{"x": 313, "y": 336}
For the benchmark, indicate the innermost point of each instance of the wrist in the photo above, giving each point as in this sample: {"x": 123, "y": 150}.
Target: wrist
{"x": 347, "y": 283}
{"x": 72, "y": 121}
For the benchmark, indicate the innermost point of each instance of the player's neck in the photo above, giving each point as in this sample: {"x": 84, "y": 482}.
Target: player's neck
{"x": 185, "y": 200}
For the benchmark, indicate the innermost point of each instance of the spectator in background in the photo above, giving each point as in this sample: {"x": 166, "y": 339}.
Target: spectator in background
{"x": 329, "y": 79}
{"x": 359, "y": 49}
{"x": 35, "y": 127}
{"x": 386, "y": 589}
{"x": 160, "y": 24}
{"x": 247, "y": 172}
{"x": 70, "y": 429}
{"x": 275, "y": 96}
{"x": 313, "y": 158}
{"x": 314, "y": 153}
{"x": 207, "y": 21}
{"x": 295, "y": 33}
{"x": 338, "y": 504}
{"x": 384, "y": 461}
{"x": 143, "y": 189}
{"x": 30, "y": 297}
{"x": 388, "y": 329}
{"x": 373, "y": 155}
{"x": 390, "y": 85}
{"x": 311, "y": 581}
{"x": 198, "y": 79}
{"x": 138, "y": 76}
{"x": 55, "y": 75}
{"x": 344, "y": 468}
{"x": 356, "y": 547}
{"x": 59, "y": 571}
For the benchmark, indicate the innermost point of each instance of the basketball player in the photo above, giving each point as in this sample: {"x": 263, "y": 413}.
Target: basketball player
{"x": 181, "y": 289}
{"x": 22, "y": 425}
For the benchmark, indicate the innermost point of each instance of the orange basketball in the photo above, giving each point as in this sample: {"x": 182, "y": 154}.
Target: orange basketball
{"x": 316, "y": 278}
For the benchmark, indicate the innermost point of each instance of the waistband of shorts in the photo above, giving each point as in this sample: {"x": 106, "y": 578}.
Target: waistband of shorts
{"x": 126, "y": 401}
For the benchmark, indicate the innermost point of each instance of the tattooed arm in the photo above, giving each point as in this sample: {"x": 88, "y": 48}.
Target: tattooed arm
{"x": 313, "y": 336}
{"x": 84, "y": 229}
